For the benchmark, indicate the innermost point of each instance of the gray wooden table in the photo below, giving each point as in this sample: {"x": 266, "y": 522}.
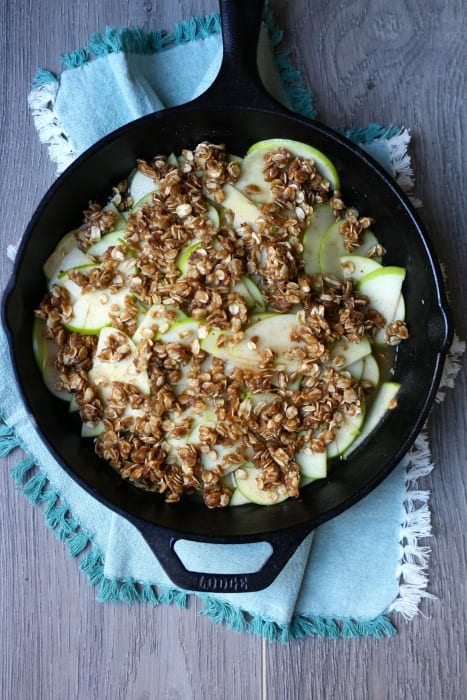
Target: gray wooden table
{"x": 365, "y": 61}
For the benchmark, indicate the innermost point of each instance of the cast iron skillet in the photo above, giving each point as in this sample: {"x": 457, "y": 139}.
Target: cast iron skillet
{"x": 237, "y": 111}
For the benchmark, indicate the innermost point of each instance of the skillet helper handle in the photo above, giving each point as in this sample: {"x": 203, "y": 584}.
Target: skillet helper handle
{"x": 163, "y": 541}
{"x": 238, "y": 82}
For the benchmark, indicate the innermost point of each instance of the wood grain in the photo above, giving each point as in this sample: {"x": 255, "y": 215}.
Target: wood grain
{"x": 375, "y": 61}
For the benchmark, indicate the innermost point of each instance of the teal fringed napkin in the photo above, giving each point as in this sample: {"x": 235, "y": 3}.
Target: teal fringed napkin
{"x": 347, "y": 577}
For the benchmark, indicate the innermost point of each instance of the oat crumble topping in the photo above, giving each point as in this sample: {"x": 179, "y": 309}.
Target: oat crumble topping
{"x": 261, "y": 416}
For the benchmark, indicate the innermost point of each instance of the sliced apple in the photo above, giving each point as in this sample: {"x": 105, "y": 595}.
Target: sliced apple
{"x": 61, "y": 276}
{"x": 242, "y": 207}
{"x": 91, "y": 311}
{"x": 321, "y": 219}
{"x": 399, "y": 313}
{"x": 257, "y": 151}
{"x": 295, "y": 384}
{"x": 383, "y": 288}
{"x": 368, "y": 242}
{"x": 45, "y": 353}
{"x": 206, "y": 417}
{"x": 213, "y": 215}
{"x": 222, "y": 452}
{"x": 184, "y": 382}
{"x": 238, "y": 499}
{"x": 357, "y": 266}
{"x": 217, "y": 343}
{"x": 92, "y": 430}
{"x": 371, "y": 372}
{"x": 250, "y": 292}
{"x": 380, "y": 405}
{"x": 312, "y": 464}
{"x": 156, "y": 317}
{"x": 271, "y": 332}
{"x": 74, "y": 405}
{"x": 261, "y": 315}
{"x": 241, "y": 289}
{"x": 147, "y": 199}
{"x": 254, "y": 292}
{"x": 113, "y": 238}
{"x": 123, "y": 370}
{"x": 104, "y": 373}
{"x": 183, "y": 258}
{"x": 119, "y": 219}
{"x": 251, "y": 180}
{"x": 349, "y": 353}
{"x": 332, "y": 249}
{"x": 73, "y": 289}
{"x": 346, "y": 434}
{"x": 259, "y": 397}
{"x": 229, "y": 481}
{"x": 64, "y": 246}
{"x": 141, "y": 185}
{"x": 248, "y": 487}
{"x": 183, "y": 331}
{"x": 74, "y": 258}
{"x": 251, "y": 400}
{"x": 356, "y": 368}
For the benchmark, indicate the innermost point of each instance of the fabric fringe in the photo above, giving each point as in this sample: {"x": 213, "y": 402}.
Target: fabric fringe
{"x": 301, "y": 100}
{"x": 148, "y": 595}
{"x": 415, "y": 526}
{"x": 397, "y": 139}
{"x": 57, "y": 515}
{"x": 451, "y": 367}
{"x": 35, "y": 485}
{"x": 41, "y": 101}
{"x": 137, "y": 41}
{"x": 416, "y": 522}
{"x": 221, "y": 612}
{"x": 365, "y": 134}
{"x": 45, "y": 84}
{"x": 8, "y": 440}
{"x": 173, "y": 596}
{"x": 401, "y": 161}
{"x": 11, "y": 251}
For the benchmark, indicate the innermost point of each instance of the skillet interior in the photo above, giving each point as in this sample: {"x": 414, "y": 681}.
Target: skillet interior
{"x": 365, "y": 186}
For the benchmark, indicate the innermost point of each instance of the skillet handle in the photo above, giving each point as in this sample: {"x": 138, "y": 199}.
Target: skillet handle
{"x": 238, "y": 82}
{"x": 163, "y": 541}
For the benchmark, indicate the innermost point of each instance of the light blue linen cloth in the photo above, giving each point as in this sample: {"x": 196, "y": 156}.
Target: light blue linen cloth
{"x": 348, "y": 570}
